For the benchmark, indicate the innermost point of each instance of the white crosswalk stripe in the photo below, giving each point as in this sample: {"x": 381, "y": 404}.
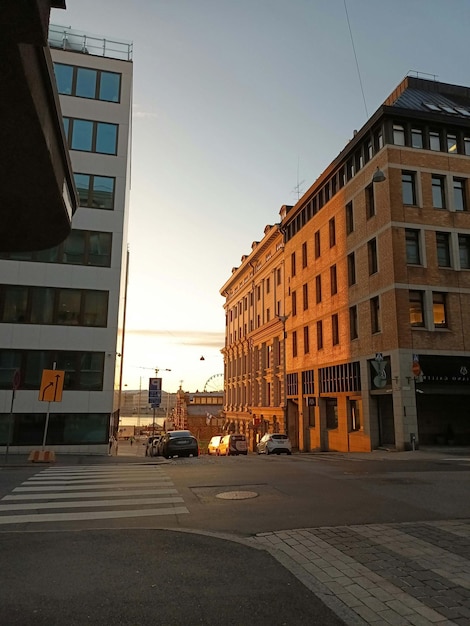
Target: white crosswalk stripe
{"x": 92, "y": 493}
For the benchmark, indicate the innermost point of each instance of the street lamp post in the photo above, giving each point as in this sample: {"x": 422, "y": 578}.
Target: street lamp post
{"x": 283, "y": 319}
{"x": 154, "y": 406}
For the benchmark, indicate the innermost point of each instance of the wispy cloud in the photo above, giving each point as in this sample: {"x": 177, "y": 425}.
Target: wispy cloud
{"x": 202, "y": 338}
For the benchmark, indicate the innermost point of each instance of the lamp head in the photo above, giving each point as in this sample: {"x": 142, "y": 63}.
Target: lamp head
{"x": 378, "y": 176}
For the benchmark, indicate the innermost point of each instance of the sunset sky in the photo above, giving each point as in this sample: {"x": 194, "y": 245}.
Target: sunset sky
{"x": 236, "y": 104}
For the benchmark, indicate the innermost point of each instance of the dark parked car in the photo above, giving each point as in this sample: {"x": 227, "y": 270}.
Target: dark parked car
{"x": 179, "y": 443}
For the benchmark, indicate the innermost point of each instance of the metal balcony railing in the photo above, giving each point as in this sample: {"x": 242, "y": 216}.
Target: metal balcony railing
{"x": 65, "y": 38}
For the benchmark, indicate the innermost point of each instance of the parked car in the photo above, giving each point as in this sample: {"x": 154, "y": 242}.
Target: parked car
{"x": 233, "y": 445}
{"x": 213, "y": 446}
{"x": 178, "y": 443}
{"x": 151, "y": 445}
{"x": 274, "y": 443}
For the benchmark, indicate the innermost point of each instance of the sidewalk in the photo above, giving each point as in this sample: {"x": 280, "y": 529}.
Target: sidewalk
{"x": 408, "y": 574}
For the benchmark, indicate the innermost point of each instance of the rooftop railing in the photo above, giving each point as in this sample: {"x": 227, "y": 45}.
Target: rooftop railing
{"x": 65, "y": 38}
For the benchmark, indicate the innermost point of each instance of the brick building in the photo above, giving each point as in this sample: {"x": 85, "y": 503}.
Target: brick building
{"x": 375, "y": 306}
{"x": 199, "y": 412}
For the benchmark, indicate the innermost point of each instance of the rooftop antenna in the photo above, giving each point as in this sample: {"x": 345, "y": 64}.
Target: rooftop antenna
{"x": 298, "y": 188}
{"x": 355, "y": 57}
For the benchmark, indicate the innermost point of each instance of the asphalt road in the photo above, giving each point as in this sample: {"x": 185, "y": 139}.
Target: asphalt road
{"x": 83, "y": 542}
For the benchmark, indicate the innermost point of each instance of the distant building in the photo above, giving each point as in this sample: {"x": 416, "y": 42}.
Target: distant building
{"x": 199, "y": 412}
{"x": 376, "y": 289}
{"x": 62, "y": 307}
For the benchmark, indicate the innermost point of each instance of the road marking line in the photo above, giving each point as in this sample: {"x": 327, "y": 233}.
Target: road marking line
{"x": 77, "y": 487}
{"x": 88, "y": 494}
{"x": 92, "y": 515}
{"x": 31, "y": 506}
{"x": 87, "y": 481}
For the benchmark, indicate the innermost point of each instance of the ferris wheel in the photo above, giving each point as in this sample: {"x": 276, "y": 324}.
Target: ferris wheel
{"x": 215, "y": 383}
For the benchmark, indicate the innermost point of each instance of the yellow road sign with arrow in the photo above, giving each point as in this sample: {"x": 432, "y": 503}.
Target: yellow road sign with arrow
{"x": 52, "y": 384}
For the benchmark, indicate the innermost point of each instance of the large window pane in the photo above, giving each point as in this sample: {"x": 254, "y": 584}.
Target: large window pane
{"x": 10, "y": 361}
{"x": 51, "y": 255}
{"x": 82, "y": 183}
{"x": 67, "y": 362}
{"x": 64, "y": 78}
{"x": 82, "y": 135}
{"x": 69, "y": 306}
{"x": 106, "y": 138}
{"x": 439, "y": 309}
{"x": 42, "y": 305}
{"x": 464, "y": 251}
{"x": 438, "y": 192}
{"x": 416, "y": 308}
{"x": 408, "y": 180}
{"x": 100, "y": 249}
{"x": 74, "y": 247}
{"x": 110, "y": 86}
{"x": 35, "y": 362}
{"x": 103, "y": 192}
{"x": 460, "y": 201}
{"x": 443, "y": 249}
{"x": 413, "y": 256}
{"x": 91, "y": 370}
{"x": 95, "y": 308}
{"x": 86, "y": 83}
{"x": 15, "y": 304}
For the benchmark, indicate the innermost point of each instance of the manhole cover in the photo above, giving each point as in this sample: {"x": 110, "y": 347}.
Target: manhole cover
{"x": 237, "y": 495}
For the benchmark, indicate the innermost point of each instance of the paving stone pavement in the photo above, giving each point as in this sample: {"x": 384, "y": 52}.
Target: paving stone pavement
{"x": 400, "y": 574}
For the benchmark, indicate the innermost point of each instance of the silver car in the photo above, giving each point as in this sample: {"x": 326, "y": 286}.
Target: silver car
{"x": 274, "y": 443}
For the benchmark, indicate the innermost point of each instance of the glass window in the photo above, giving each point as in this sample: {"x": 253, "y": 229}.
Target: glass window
{"x": 64, "y": 78}
{"x": 413, "y": 256}
{"x": 375, "y": 314}
{"x": 74, "y": 248}
{"x": 15, "y": 304}
{"x": 110, "y": 86}
{"x": 452, "y": 143}
{"x": 292, "y": 264}
{"x": 416, "y": 138}
{"x": 103, "y": 192}
{"x": 304, "y": 254}
{"x": 86, "y": 83}
{"x": 10, "y": 361}
{"x": 466, "y": 145}
{"x": 82, "y": 183}
{"x": 91, "y": 370}
{"x": 333, "y": 280}
{"x": 464, "y": 251}
{"x": 372, "y": 256}
{"x": 82, "y": 135}
{"x": 319, "y": 335}
{"x": 434, "y": 140}
{"x": 439, "y": 309}
{"x": 42, "y": 305}
{"x": 443, "y": 249}
{"x": 351, "y": 269}
{"x": 335, "y": 329}
{"x": 355, "y": 414}
{"x": 50, "y": 255}
{"x": 294, "y": 303}
{"x": 332, "y": 231}
{"x": 66, "y": 123}
{"x": 306, "y": 340}
{"x": 100, "y": 249}
{"x": 294, "y": 343}
{"x": 349, "y": 218}
{"x": 35, "y": 361}
{"x": 353, "y": 326}
{"x": 416, "y": 308}
{"x": 106, "y": 138}
{"x": 68, "y": 307}
{"x": 438, "y": 192}
{"x": 398, "y": 135}
{"x": 408, "y": 181}
{"x": 317, "y": 244}
{"x": 370, "y": 202}
{"x": 331, "y": 406}
{"x": 460, "y": 200}
{"x": 305, "y": 296}
{"x": 318, "y": 289}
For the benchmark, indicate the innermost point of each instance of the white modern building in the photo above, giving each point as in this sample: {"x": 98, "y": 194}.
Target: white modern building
{"x": 63, "y": 308}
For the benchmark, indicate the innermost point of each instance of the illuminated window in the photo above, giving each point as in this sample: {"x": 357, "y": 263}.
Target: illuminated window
{"x": 439, "y": 311}
{"x": 416, "y": 308}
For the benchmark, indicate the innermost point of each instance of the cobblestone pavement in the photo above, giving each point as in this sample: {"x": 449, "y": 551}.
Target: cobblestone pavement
{"x": 401, "y": 574}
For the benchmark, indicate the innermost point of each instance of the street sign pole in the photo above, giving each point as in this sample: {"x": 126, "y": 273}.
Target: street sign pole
{"x": 16, "y": 384}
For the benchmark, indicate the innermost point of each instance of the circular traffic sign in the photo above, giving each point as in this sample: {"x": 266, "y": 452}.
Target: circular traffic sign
{"x": 416, "y": 368}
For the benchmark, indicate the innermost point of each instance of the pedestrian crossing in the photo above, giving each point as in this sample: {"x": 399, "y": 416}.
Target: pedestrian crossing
{"x": 65, "y": 494}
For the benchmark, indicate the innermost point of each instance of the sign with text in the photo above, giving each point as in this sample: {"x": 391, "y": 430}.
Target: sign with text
{"x": 155, "y": 392}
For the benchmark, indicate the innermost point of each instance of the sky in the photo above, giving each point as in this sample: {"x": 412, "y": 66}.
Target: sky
{"x": 238, "y": 105}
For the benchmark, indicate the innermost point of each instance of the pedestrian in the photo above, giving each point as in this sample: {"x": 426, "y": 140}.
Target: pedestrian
{"x": 132, "y": 440}
{"x": 111, "y": 443}
{"x": 116, "y": 445}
